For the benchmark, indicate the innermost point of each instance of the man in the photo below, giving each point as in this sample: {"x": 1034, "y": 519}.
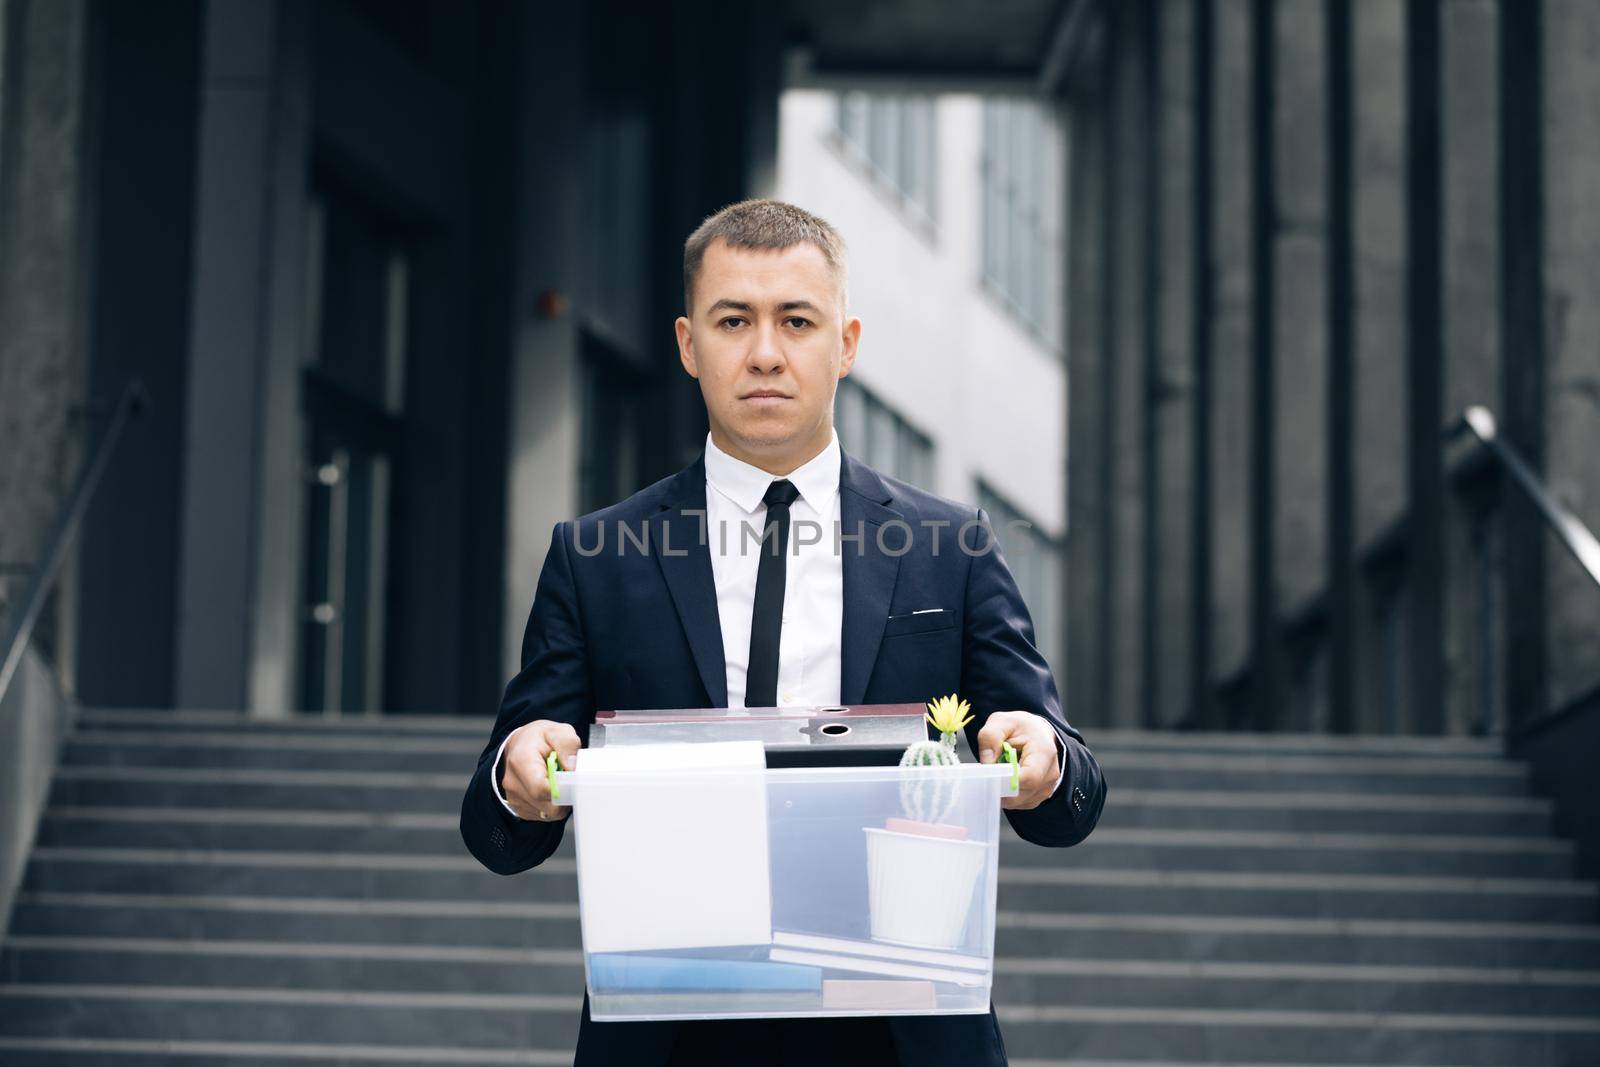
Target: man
{"x": 910, "y": 600}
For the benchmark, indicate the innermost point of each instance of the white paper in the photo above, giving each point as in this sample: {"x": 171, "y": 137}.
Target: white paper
{"x": 662, "y": 866}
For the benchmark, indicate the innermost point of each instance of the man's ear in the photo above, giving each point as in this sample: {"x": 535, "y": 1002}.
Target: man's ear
{"x": 686, "y": 346}
{"x": 852, "y": 341}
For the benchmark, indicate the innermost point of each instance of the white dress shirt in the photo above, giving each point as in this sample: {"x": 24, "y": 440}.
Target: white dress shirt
{"x": 813, "y": 584}
{"x": 813, "y": 587}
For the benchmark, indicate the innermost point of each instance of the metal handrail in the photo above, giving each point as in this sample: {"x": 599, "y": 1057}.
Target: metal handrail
{"x": 1578, "y": 538}
{"x": 131, "y": 402}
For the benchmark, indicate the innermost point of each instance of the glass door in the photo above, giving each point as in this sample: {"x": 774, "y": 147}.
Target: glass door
{"x": 353, "y": 389}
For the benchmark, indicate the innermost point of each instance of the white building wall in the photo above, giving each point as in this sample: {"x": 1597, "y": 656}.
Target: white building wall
{"x": 935, "y": 345}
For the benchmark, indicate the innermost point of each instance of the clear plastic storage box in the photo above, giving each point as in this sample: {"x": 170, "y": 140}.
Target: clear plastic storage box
{"x": 729, "y": 892}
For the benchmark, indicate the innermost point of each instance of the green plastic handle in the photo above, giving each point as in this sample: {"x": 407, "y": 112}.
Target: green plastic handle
{"x": 1007, "y": 752}
{"x": 551, "y": 765}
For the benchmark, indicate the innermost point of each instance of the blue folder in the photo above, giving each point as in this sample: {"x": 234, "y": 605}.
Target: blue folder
{"x": 618, "y": 971}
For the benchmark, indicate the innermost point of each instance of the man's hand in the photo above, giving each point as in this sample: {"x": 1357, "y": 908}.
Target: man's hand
{"x": 1035, "y": 741}
{"x": 525, "y": 783}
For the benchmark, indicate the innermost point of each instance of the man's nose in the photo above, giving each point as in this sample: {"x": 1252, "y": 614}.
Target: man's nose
{"x": 766, "y": 354}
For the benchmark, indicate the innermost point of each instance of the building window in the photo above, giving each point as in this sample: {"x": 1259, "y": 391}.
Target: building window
{"x": 1022, "y": 175}
{"x": 1035, "y": 561}
{"x": 871, "y": 431}
{"x": 893, "y": 135}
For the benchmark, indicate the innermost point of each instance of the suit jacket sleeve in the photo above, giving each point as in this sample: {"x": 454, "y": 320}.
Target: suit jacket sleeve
{"x": 1002, "y": 670}
{"x": 553, "y": 684}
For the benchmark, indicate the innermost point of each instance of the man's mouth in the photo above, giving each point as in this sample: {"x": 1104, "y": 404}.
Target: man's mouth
{"x": 765, "y": 394}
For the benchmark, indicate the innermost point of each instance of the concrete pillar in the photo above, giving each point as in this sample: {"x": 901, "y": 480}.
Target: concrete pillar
{"x": 1572, "y": 331}
{"x": 543, "y": 431}
{"x": 230, "y": 269}
{"x": 1299, "y": 256}
{"x": 1230, "y": 385}
{"x": 1379, "y": 168}
{"x": 280, "y": 520}
{"x": 43, "y": 226}
{"x": 1378, "y": 192}
{"x": 1173, "y": 391}
{"x": 1469, "y": 139}
{"x": 1128, "y": 399}
{"x": 1087, "y": 528}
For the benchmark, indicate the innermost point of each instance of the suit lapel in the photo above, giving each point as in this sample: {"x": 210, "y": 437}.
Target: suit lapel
{"x": 685, "y": 560}
{"x": 869, "y": 573}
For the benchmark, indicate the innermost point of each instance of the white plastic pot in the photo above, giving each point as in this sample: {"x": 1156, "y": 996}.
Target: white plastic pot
{"x": 920, "y": 887}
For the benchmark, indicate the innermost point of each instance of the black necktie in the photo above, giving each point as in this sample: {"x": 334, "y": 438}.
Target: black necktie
{"x": 766, "y": 620}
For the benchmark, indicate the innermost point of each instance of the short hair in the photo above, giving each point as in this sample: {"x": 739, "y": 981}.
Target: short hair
{"x": 770, "y": 225}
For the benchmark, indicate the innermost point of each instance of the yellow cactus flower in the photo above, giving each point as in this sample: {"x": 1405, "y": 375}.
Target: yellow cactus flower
{"x": 945, "y": 714}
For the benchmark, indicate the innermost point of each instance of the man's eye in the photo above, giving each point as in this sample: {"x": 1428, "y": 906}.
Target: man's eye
{"x": 797, "y": 322}
{"x": 731, "y": 321}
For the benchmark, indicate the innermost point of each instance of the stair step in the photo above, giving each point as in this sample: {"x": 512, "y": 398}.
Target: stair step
{"x": 1289, "y": 939}
{"x": 380, "y": 725}
{"x": 1018, "y": 934}
{"x": 1368, "y": 746}
{"x": 529, "y": 923}
{"x": 498, "y": 1021}
{"x": 320, "y": 749}
{"x": 1295, "y": 812}
{"x": 440, "y": 793}
{"x": 471, "y": 969}
{"x": 380, "y": 875}
{"x": 116, "y": 1052}
{"x": 301, "y": 750}
{"x": 1226, "y": 1035}
{"x": 425, "y": 834}
{"x": 190, "y": 1012}
{"x": 1296, "y": 987}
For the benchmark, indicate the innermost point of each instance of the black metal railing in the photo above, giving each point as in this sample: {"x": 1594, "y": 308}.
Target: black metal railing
{"x": 1476, "y": 479}
{"x": 68, "y": 519}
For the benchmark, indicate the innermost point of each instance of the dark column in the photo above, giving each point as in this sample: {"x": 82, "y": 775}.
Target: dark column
{"x": 1087, "y": 278}
{"x": 1299, "y": 312}
{"x": 1201, "y": 326}
{"x": 1377, "y": 437}
{"x": 1172, "y": 390}
{"x": 1148, "y": 651}
{"x": 1522, "y": 358}
{"x": 1424, "y": 454}
{"x": 1341, "y": 378}
{"x": 146, "y": 89}
{"x": 1111, "y": 259}
{"x": 1267, "y": 679}
{"x": 1473, "y": 618}
{"x": 1129, "y": 401}
{"x": 1229, "y": 378}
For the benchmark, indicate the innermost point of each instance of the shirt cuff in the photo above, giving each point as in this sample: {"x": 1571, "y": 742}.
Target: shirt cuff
{"x": 494, "y": 779}
{"x": 1061, "y": 755}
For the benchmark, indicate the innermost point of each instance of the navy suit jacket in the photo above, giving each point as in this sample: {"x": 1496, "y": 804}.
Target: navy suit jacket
{"x": 638, "y": 628}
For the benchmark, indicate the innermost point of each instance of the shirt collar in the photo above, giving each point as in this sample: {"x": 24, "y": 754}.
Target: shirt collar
{"x": 744, "y": 484}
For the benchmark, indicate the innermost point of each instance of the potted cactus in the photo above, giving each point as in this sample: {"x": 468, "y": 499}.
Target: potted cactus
{"x": 921, "y": 870}
{"x": 928, "y": 800}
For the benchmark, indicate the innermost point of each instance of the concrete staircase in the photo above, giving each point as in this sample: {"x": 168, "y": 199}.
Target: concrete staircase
{"x": 206, "y": 889}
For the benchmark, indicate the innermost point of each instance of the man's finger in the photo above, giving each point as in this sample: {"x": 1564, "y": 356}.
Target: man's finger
{"x": 564, "y": 739}
{"x": 998, "y": 727}
{"x": 526, "y": 786}
{"x": 1032, "y": 755}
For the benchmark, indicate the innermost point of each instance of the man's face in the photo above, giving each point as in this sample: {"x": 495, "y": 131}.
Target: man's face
{"x": 768, "y": 342}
